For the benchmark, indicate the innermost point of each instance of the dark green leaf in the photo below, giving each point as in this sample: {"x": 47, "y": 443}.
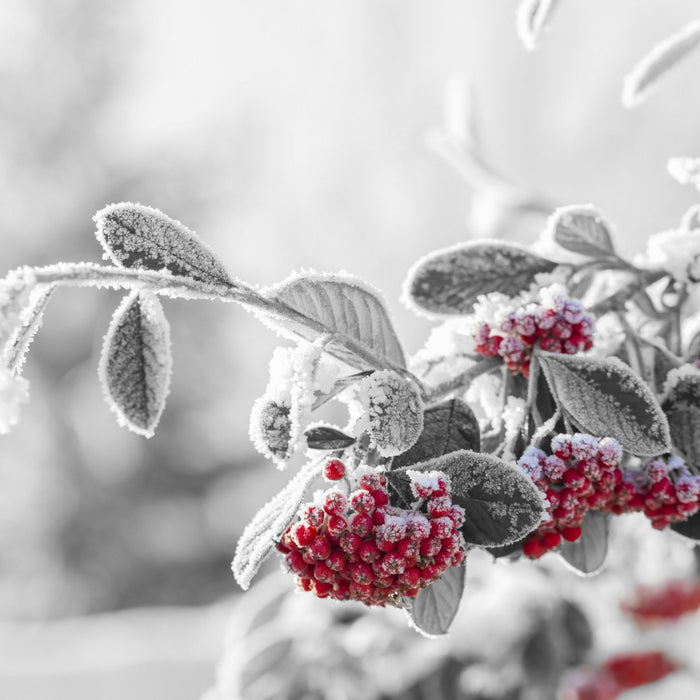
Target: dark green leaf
{"x": 501, "y": 504}
{"x": 447, "y": 427}
{"x": 588, "y": 553}
{"x": 450, "y": 280}
{"x": 144, "y": 238}
{"x": 682, "y": 408}
{"x": 136, "y": 363}
{"x": 435, "y": 606}
{"x": 324, "y": 437}
{"x": 605, "y": 397}
{"x": 582, "y": 229}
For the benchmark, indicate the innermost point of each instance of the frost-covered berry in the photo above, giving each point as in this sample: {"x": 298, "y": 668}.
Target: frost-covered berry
{"x": 334, "y": 470}
{"x": 335, "y": 503}
{"x": 362, "y": 501}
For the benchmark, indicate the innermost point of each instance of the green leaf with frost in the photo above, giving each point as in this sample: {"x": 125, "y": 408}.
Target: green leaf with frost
{"x": 605, "y": 397}
{"x": 447, "y": 427}
{"x": 582, "y": 229}
{"x": 136, "y": 362}
{"x": 645, "y": 77}
{"x": 346, "y": 309}
{"x": 682, "y": 408}
{"x": 269, "y": 524}
{"x": 532, "y": 20}
{"x": 501, "y": 505}
{"x": 587, "y": 555}
{"x": 450, "y": 280}
{"x": 135, "y": 236}
{"x": 435, "y": 607}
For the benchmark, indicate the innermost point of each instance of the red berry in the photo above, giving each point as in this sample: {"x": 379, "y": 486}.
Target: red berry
{"x": 336, "y": 525}
{"x": 303, "y": 534}
{"x": 571, "y": 534}
{"x": 361, "y": 524}
{"x": 430, "y": 546}
{"x": 334, "y": 470}
{"x": 350, "y": 542}
{"x": 551, "y": 540}
{"x": 411, "y": 577}
{"x": 381, "y": 497}
{"x": 335, "y": 503}
{"x": 369, "y": 551}
{"x": 323, "y": 572}
{"x": 362, "y": 501}
{"x": 314, "y": 516}
{"x": 533, "y": 548}
{"x": 320, "y": 548}
{"x": 362, "y": 573}
{"x": 336, "y": 560}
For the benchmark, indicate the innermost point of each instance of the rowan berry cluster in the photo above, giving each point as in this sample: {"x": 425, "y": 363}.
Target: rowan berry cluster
{"x": 559, "y": 325}
{"x": 356, "y": 546}
{"x": 583, "y": 473}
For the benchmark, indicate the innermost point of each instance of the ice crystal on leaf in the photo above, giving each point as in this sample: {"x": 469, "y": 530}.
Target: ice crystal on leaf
{"x": 15, "y": 292}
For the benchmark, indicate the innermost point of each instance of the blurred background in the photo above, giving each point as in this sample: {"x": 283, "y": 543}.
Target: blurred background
{"x": 288, "y": 134}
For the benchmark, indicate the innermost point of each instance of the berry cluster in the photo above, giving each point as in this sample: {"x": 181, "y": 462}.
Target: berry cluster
{"x": 358, "y": 547}
{"x": 666, "y": 603}
{"x": 560, "y": 325}
{"x": 618, "y": 674}
{"x": 583, "y": 473}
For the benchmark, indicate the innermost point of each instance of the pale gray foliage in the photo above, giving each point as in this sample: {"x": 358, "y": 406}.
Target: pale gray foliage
{"x": 586, "y": 556}
{"x": 271, "y": 428}
{"x": 135, "y": 236}
{"x": 344, "y": 306}
{"x": 644, "y": 78}
{"x": 605, "y": 397}
{"x": 136, "y": 362}
{"x": 435, "y": 607}
{"x": 269, "y": 524}
{"x": 532, "y": 19}
{"x": 582, "y": 229}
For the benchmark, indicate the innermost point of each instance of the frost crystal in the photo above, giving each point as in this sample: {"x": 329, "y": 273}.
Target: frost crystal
{"x": 677, "y": 251}
{"x": 271, "y": 429}
{"x": 676, "y": 375}
{"x": 15, "y": 291}
{"x": 394, "y": 411}
{"x": 14, "y": 391}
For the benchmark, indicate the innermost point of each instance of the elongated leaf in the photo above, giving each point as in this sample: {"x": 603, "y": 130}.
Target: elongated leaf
{"x": 450, "y": 280}
{"x": 501, "y": 504}
{"x": 645, "y": 76}
{"x": 31, "y": 320}
{"x": 325, "y": 437}
{"x": 588, "y": 553}
{"x": 532, "y": 19}
{"x": 582, "y": 229}
{"x": 136, "y": 363}
{"x": 606, "y": 398}
{"x": 269, "y": 524}
{"x": 447, "y": 427}
{"x": 346, "y": 306}
{"x": 435, "y": 607}
{"x": 682, "y": 408}
{"x": 140, "y": 237}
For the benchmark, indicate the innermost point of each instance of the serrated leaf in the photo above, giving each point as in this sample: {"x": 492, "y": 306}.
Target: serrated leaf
{"x": 345, "y": 306}
{"x": 269, "y": 524}
{"x": 447, "y": 427}
{"x": 689, "y": 528}
{"x": 450, "y": 280}
{"x": 325, "y": 437}
{"x": 605, "y": 397}
{"x": 588, "y": 553}
{"x": 645, "y": 76}
{"x": 435, "y": 607}
{"x": 682, "y": 408}
{"x": 582, "y": 229}
{"x": 501, "y": 504}
{"x": 135, "y": 236}
{"x": 136, "y": 362}
{"x": 532, "y": 19}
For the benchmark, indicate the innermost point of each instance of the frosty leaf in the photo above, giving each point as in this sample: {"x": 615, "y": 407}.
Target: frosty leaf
{"x": 582, "y": 229}
{"x": 324, "y": 437}
{"x": 532, "y": 19}
{"x": 685, "y": 170}
{"x": 344, "y": 306}
{"x": 605, "y": 397}
{"x": 135, "y": 364}
{"x": 271, "y": 428}
{"x": 394, "y": 411}
{"x": 31, "y": 319}
{"x": 447, "y": 427}
{"x": 269, "y": 524}
{"x": 689, "y": 528}
{"x": 140, "y": 237}
{"x": 448, "y": 281}
{"x": 588, "y": 553}
{"x": 435, "y": 607}
{"x": 501, "y": 504}
{"x": 643, "y": 79}
{"x": 682, "y": 408}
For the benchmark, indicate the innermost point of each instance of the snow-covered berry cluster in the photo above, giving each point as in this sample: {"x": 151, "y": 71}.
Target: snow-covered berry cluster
{"x": 355, "y": 546}
{"x": 583, "y": 473}
{"x": 555, "y": 323}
